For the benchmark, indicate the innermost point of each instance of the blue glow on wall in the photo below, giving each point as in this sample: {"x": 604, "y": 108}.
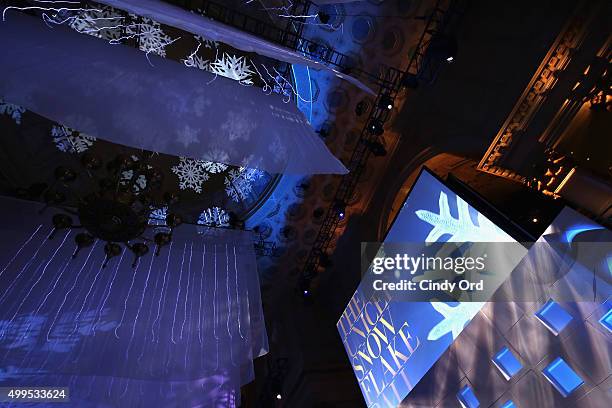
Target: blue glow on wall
{"x": 392, "y": 345}
{"x": 554, "y": 317}
{"x": 508, "y": 404}
{"x": 562, "y": 377}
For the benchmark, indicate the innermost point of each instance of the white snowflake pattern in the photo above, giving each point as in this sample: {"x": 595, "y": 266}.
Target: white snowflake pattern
{"x": 151, "y": 38}
{"x": 278, "y": 149}
{"x": 237, "y": 126}
{"x": 139, "y": 184}
{"x": 191, "y": 174}
{"x": 214, "y": 217}
{"x": 239, "y": 182}
{"x": 232, "y": 67}
{"x": 103, "y": 22}
{"x": 213, "y": 161}
{"x": 70, "y": 141}
{"x": 195, "y": 61}
{"x": 455, "y": 318}
{"x": 158, "y": 216}
{"x": 210, "y": 44}
{"x": 188, "y": 136}
{"x": 12, "y": 110}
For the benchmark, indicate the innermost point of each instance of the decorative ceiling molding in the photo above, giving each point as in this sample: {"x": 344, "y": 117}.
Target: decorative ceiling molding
{"x": 545, "y": 78}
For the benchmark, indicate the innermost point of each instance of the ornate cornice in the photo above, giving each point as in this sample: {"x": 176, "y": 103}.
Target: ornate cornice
{"x": 536, "y": 92}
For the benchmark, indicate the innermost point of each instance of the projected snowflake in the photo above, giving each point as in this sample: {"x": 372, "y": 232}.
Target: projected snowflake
{"x": 139, "y": 183}
{"x": 12, "y": 110}
{"x": 462, "y": 228}
{"x": 232, "y": 67}
{"x": 214, "y": 217}
{"x": 454, "y": 318}
{"x": 210, "y": 44}
{"x": 237, "y": 126}
{"x": 239, "y": 182}
{"x": 195, "y": 61}
{"x": 191, "y": 174}
{"x": 71, "y": 141}
{"x": 158, "y": 216}
{"x": 103, "y": 22}
{"x": 213, "y": 161}
{"x": 187, "y": 136}
{"x": 151, "y": 38}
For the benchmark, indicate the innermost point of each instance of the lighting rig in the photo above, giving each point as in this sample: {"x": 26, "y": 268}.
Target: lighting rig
{"x": 390, "y": 83}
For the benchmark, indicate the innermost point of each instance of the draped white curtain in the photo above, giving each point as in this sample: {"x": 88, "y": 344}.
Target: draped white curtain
{"x": 179, "y": 329}
{"x": 114, "y": 93}
{"x": 174, "y": 16}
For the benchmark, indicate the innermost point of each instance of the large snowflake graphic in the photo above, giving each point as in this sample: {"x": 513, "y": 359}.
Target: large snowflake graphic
{"x": 462, "y": 228}
{"x": 239, "y": 182}
{"x": 103, "y": 22}
{"x": 191, "y": 174}
{"x": 213, "y": 161}
{"x": 454, "y": 318}
{"x": 214, "y": 217}
{"x": 12, "y": 110}
{"x": 237, "y": 126}
{"x": 232, "y": 67}
{"x": 151, "y": 38}
{"x": 71, "y": 141}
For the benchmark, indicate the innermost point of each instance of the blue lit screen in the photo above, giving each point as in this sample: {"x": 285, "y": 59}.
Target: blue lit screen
{"x": 391, "y": 346}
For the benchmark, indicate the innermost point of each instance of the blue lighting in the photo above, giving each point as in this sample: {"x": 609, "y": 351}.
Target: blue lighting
{"x": 571, "y": 233}
{"x": 554, "y": 317}
{"x": 507, "y": 363}
{"x": 509, "y": 404}
{"x": 606, "y": 320}
{"x": 561, "y": 375}
{"x": 467, "y": 398}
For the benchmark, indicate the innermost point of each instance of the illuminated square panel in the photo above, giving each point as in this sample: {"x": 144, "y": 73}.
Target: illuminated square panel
{"x": 562, "y": 377}
{"x": 507, "y": 363}
{"x": 554, "y": 317}
{"x": 606, "y": 319}
{"x": 467, "y": 398}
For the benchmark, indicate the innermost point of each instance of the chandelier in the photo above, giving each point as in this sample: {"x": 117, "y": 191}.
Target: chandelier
{"x": 116, "y": 210}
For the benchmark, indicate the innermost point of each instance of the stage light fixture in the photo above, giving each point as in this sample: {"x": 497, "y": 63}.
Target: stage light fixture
{"x": 385, "y": 102}
{"x": 376, "y": 128}
{"x": 279, "y": 397}
{"x": 340, "y": 209}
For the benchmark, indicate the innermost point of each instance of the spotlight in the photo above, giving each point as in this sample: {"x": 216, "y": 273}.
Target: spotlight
{"x": 534, "y": 220}
{"x": 340, "y": 209}
{"x": 278, "y": 396}
{"x": 385, "y": 102}
{"x": 377, "y": 148}
{"x": 376, "y": 128}
{"x": 443, "y": 47}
